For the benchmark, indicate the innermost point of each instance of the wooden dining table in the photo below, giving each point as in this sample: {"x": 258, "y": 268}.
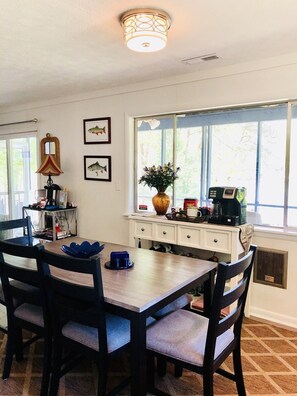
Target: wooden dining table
{"x": 155, "y": 280}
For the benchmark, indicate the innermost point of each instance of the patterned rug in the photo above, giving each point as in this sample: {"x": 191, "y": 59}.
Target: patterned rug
{"x": 269, "y": 363}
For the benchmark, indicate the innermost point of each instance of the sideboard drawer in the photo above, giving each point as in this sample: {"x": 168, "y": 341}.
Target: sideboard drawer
{"x": 166, "y": 233}
{"x": 188, "y": 236}
{"x": 218, "y": 241}
{"x": 143, "y": 230}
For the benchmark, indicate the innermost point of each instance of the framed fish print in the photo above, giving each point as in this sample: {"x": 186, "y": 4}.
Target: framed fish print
{"x": 97, "y": 130}
{"x": 97, "y": 167}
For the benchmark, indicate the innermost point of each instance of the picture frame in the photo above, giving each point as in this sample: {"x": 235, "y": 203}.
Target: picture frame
{"x": 97, "y": 130}
{"x": 97, "y": 167}
{"x": 61, "y": 199}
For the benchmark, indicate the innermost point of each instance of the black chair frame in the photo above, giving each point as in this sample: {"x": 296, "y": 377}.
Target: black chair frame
{"x": 15, "y": 281}
{"x": 217, "y": 326}
{"x": 27, "y": 239}
{"x": 25, "y": 223}
{"x": 69, "y": 301}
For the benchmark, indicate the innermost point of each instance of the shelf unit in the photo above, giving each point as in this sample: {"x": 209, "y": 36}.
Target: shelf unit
{"x": 52, "y": 224}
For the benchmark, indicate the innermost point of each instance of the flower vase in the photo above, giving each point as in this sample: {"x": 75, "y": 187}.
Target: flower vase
{"x": 161, "y": 203}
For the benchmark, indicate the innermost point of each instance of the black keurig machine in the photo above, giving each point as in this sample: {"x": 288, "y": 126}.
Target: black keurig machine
{"x": 229, "y": 205}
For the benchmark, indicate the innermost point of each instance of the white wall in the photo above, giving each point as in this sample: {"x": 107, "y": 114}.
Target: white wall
{"x": 100, "y": 205}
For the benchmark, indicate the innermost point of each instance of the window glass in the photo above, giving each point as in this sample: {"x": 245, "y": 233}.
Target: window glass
{"x": 4, "y": 182}
{"x": 292, "y": 201}
{"x": 188, "y": 158}
{"x": 272, "y": 171}
{"x": 154, "y": 147}
{"x": 234, "y": 156}
{"x": 21, "y": 153}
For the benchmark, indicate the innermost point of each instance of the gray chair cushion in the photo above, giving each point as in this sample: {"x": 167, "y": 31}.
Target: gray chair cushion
{"x": 149, "y": 321}
{"x": 179, "y": 303}
{"x": 20, "y": 285}
{"x": 117, "y": 330}
{"x": 30, "y": 313}
{"x": 182, "y": 335}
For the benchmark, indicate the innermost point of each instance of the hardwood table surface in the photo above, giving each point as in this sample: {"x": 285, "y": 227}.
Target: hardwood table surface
{"x": 153, "y": 277}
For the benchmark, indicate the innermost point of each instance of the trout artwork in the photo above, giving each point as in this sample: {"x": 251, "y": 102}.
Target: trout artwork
{"x": 97, "y": 130}
{"x": 97, "y": 167}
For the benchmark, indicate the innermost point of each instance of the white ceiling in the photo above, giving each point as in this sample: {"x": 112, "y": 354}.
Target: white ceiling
{"x": 55, "y": 48}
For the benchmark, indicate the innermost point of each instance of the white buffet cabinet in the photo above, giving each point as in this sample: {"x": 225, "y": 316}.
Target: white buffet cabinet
{"x": 204, "y": 236}
{"x": 212, "y": 238}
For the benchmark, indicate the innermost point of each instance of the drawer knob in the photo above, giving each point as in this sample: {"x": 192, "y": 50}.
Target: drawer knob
{"x": 215, "y": 240}
{"x": 164, "y": 232}
{"x": 142, "y": 229}
{"x": 188, "y": 236}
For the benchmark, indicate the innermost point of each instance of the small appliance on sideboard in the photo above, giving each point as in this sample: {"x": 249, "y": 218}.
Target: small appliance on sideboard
{"x": 229, "y": 205}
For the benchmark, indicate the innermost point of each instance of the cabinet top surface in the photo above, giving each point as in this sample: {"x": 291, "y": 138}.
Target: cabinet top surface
{"x": 164, "y": 220}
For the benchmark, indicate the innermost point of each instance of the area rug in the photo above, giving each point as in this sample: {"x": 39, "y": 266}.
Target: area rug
{"x": 269, "y": 364}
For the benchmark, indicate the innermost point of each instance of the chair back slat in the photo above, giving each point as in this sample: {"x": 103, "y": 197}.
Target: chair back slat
{"x": 19, "y": 293}
{"x": 228, "y": 321}
{"x": 25, "y": 223}
{"x": 224, "y": 296}
{"x": 234, "y": 294}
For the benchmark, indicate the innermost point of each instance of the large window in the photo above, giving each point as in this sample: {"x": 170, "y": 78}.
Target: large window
{"x": 251, "y": 147}
{"x": 18, "y": 163}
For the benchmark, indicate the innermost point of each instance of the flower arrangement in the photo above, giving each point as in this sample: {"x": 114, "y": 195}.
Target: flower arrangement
{"x": 159, "y": 177}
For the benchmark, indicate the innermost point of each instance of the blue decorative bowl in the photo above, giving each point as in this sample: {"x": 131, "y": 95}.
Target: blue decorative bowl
{"x": 84, "y": 250}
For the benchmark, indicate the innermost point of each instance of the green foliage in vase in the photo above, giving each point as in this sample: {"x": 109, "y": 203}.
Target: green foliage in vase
{"x": 159, "y": 177}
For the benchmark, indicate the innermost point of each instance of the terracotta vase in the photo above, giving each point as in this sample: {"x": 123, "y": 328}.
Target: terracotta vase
{"x": 161, "y": 203}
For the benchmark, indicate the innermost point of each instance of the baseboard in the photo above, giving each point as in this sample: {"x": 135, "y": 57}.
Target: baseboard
{"x": 273, "y": 317}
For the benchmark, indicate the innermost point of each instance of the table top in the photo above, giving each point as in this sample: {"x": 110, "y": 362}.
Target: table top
{"x": 153, "y": 277}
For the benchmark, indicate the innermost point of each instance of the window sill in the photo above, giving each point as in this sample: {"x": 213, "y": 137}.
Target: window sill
{"x": 275, "y": 233}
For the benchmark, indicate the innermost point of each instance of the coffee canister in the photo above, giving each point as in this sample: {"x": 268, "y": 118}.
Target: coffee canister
{"x": 190, "y": 202}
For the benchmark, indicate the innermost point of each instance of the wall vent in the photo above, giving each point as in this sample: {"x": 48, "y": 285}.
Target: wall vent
{"x": 199, "y": 59}
{"x": 270, "y": 267}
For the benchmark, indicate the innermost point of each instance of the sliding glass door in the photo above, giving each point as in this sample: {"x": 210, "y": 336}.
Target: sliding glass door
{"x": 18, "y": 163}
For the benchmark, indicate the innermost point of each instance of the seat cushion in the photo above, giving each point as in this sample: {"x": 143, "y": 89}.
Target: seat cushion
{"x": 20, "y": 285}
{"x": 182, "y": 335}
{"x": 30, "y": 313}
{"x": 117, "y": 330}
{"x": 150, "y": 320}
{"x": 179, "y": 303}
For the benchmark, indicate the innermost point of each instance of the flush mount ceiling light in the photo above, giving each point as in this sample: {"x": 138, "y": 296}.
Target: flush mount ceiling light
{"x": 145, "y": 30}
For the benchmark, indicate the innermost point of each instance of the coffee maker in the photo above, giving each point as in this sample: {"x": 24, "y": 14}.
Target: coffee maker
{"x": 229, "y": 205}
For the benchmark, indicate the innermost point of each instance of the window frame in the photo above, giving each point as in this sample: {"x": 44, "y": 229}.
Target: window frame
{"x": 205, "y": 154}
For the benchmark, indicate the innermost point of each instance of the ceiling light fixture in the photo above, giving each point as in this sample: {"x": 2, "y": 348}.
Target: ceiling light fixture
{"x": 145, "y": 30}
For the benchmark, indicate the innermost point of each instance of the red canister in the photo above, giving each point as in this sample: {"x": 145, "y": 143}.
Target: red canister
{"x": 188, "y": 202}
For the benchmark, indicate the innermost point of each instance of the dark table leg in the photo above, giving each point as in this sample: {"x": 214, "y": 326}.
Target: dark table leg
{"x": 138, "y": 355}
{"x": 208, "y": 292}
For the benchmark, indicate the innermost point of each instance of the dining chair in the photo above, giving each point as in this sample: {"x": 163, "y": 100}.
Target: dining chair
{"x": 202, "y": 344}
{"x": 80, "y": 320}
{"x": 182, "y": 302}
{"x": 7, "y": 227}
{"x": 25, "y": 305}
{"x": 12, "y": 225}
